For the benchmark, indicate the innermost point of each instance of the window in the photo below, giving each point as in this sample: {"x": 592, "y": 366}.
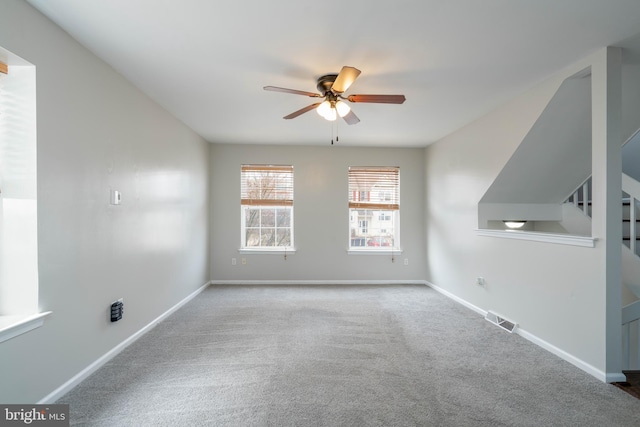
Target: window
{"x": 374, "y": 208}
{"x": 19, "y": 311}
{"x": 266, "y": 207}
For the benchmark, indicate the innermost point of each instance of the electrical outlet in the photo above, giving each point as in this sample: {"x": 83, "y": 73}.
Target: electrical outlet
{"x": 244, "y": 261}
{"x": 233, "y": 261}
{"x": 116, "y": 310}
{"x": 406, "y": 261}
{"x": 480, "y": 281}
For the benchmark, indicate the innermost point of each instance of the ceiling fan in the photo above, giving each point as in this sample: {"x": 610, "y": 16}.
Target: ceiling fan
{"x": 331, "y": 88}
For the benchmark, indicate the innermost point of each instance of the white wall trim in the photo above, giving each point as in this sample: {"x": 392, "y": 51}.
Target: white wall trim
{"x": 607, "y": 377}
{"x": 12, "y": 326}
{"x": 82, "y": 375}
{"x": 457, "y": 299}
{"x": 265, "y": 251}
{"x": 387, "y": 252}
{"x": 316, "y": 282}
{"x": 562, "y": 239}
{"x": 590, "y": 369}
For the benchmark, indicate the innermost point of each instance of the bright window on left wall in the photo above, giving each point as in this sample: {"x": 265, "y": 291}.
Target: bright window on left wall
{"x": 266, "y": 200}
{"x": 19, "y": 305}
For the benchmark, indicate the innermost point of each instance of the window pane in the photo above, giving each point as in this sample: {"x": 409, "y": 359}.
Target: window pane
{"x": 252, "y": 237}
{"x": 284, "y": 237}
{"x": 267, "y": 237}
{"x": 268, "y": 218}
{"x": 373, "y": 229}
{"x": 252, "y": 217}
{"x": 284, "y": 217}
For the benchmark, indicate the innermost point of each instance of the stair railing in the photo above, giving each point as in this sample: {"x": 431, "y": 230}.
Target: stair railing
{"x": 581, "y": 197}
{"x": 630, "y": 315}
{"x": 631, "y": 189}
{"x": 631, "y": 312}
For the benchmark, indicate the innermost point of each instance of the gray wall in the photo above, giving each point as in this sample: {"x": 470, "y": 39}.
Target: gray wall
{"x": 320, "y": 214}
{"x": 96, "y": 132}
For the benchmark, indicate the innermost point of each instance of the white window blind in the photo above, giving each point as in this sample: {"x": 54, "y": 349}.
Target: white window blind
{"x": 374, "y": 188}
{"x": 266, "y": 185}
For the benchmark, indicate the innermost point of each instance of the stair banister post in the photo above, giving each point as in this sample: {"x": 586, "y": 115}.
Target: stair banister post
{"x": 632, "y": 224}
{"x": 606, "y": 212}
{"x": 626, "y": 346}
{"x": 585, "y": 197}
{"x": 638, "y": 345}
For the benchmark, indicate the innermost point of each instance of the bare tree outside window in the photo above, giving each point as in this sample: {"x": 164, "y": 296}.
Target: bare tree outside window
{"x": 267, "y": 206}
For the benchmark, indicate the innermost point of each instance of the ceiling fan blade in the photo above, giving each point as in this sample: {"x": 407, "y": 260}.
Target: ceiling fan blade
{"x": 345, "y": 78}
{"x": 379, "y": 99}
{"x": 351, "y": 118}
{"x": 293, "y": 91}
{"x": 302, "y": 111}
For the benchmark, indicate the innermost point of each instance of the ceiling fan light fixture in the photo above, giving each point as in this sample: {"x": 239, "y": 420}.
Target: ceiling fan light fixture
{"x": 342, "y": 108}
{"x": 324, "y": 109}
{"x": 331, "y": 115}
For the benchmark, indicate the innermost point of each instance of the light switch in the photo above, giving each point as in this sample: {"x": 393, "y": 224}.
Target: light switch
{"x": 115, "y": 197}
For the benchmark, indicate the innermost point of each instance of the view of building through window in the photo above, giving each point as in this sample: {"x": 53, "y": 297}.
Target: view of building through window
{"x": 374, "y": 208}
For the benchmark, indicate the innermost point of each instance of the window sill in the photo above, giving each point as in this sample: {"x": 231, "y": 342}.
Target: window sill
{"x": 264, "y": 251}
{"x": 12, "y": 326}
{"x": 562, "y": 239}
{"x": 374, "y": 251}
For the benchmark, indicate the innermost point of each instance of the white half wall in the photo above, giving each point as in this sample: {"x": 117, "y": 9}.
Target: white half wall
{"x": 96, "y": 133}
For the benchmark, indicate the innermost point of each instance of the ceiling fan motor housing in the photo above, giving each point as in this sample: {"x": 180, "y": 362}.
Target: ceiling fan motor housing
{"x": 325, "y": 82}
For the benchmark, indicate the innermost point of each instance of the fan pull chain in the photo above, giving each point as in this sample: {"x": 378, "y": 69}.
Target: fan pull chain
{"x": 336, "y": 129}
{"x": 331, "y": 124}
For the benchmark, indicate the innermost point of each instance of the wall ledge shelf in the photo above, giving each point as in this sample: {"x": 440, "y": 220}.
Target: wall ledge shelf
{"x": 561, "y": 239}
{"x": 12, "y": 326}
{"x": 263, "y": 251}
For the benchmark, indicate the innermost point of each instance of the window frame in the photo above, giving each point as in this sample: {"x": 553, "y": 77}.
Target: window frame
{"x": 385, "y": 180}
{"x": 22, "y": 313}
{"x": 281, "y": 198}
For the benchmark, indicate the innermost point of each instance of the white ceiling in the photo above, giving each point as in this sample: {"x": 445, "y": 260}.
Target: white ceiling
{"x": 455, "y": 60}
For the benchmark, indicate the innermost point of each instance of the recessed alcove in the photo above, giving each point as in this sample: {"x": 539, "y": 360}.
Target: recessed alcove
{"x": 551, "y": 162}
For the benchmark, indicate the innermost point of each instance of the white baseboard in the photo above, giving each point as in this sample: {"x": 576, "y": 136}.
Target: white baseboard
{"x": 82, "y": 375}
{"x": 457, "y": 299}
{"x": 579, "y": 363}
{"x": 317, "y": 282}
